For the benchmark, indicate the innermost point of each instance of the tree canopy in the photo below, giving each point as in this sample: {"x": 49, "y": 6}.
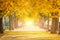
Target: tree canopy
{"x": 29, "y": 7}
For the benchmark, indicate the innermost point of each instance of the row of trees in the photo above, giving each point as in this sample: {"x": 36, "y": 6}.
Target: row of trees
{"x": 26, "y": 7}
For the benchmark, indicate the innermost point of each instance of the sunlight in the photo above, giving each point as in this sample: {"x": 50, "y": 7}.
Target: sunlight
{"x": 30, "y": 26}
{"x": 29, "y": 23}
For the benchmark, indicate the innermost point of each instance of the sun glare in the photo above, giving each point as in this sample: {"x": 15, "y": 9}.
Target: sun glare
{"x": 29, "y": 23}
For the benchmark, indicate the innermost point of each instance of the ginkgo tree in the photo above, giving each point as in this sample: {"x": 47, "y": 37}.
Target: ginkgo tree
{"x": 29, "y": 8}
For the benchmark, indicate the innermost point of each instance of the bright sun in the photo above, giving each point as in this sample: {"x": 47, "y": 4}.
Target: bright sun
{"x": 29, "y": 25}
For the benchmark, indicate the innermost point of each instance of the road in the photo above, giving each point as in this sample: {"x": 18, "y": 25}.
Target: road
{"x": 31, "y": 36}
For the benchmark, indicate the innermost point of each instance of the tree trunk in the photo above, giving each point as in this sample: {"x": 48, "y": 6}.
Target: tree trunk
{"x": 15, "y": 21}
{"x": 11, "y": 23}
{"x": 1, "y": 27}
{"x": 54, "y": 25}
{"x": 59, "y": 28}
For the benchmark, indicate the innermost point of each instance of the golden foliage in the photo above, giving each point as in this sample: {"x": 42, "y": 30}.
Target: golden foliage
{"x": 29, "y": 7}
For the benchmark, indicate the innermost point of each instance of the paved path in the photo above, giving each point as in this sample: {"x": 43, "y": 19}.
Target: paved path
{"x": 31, "y": 37}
